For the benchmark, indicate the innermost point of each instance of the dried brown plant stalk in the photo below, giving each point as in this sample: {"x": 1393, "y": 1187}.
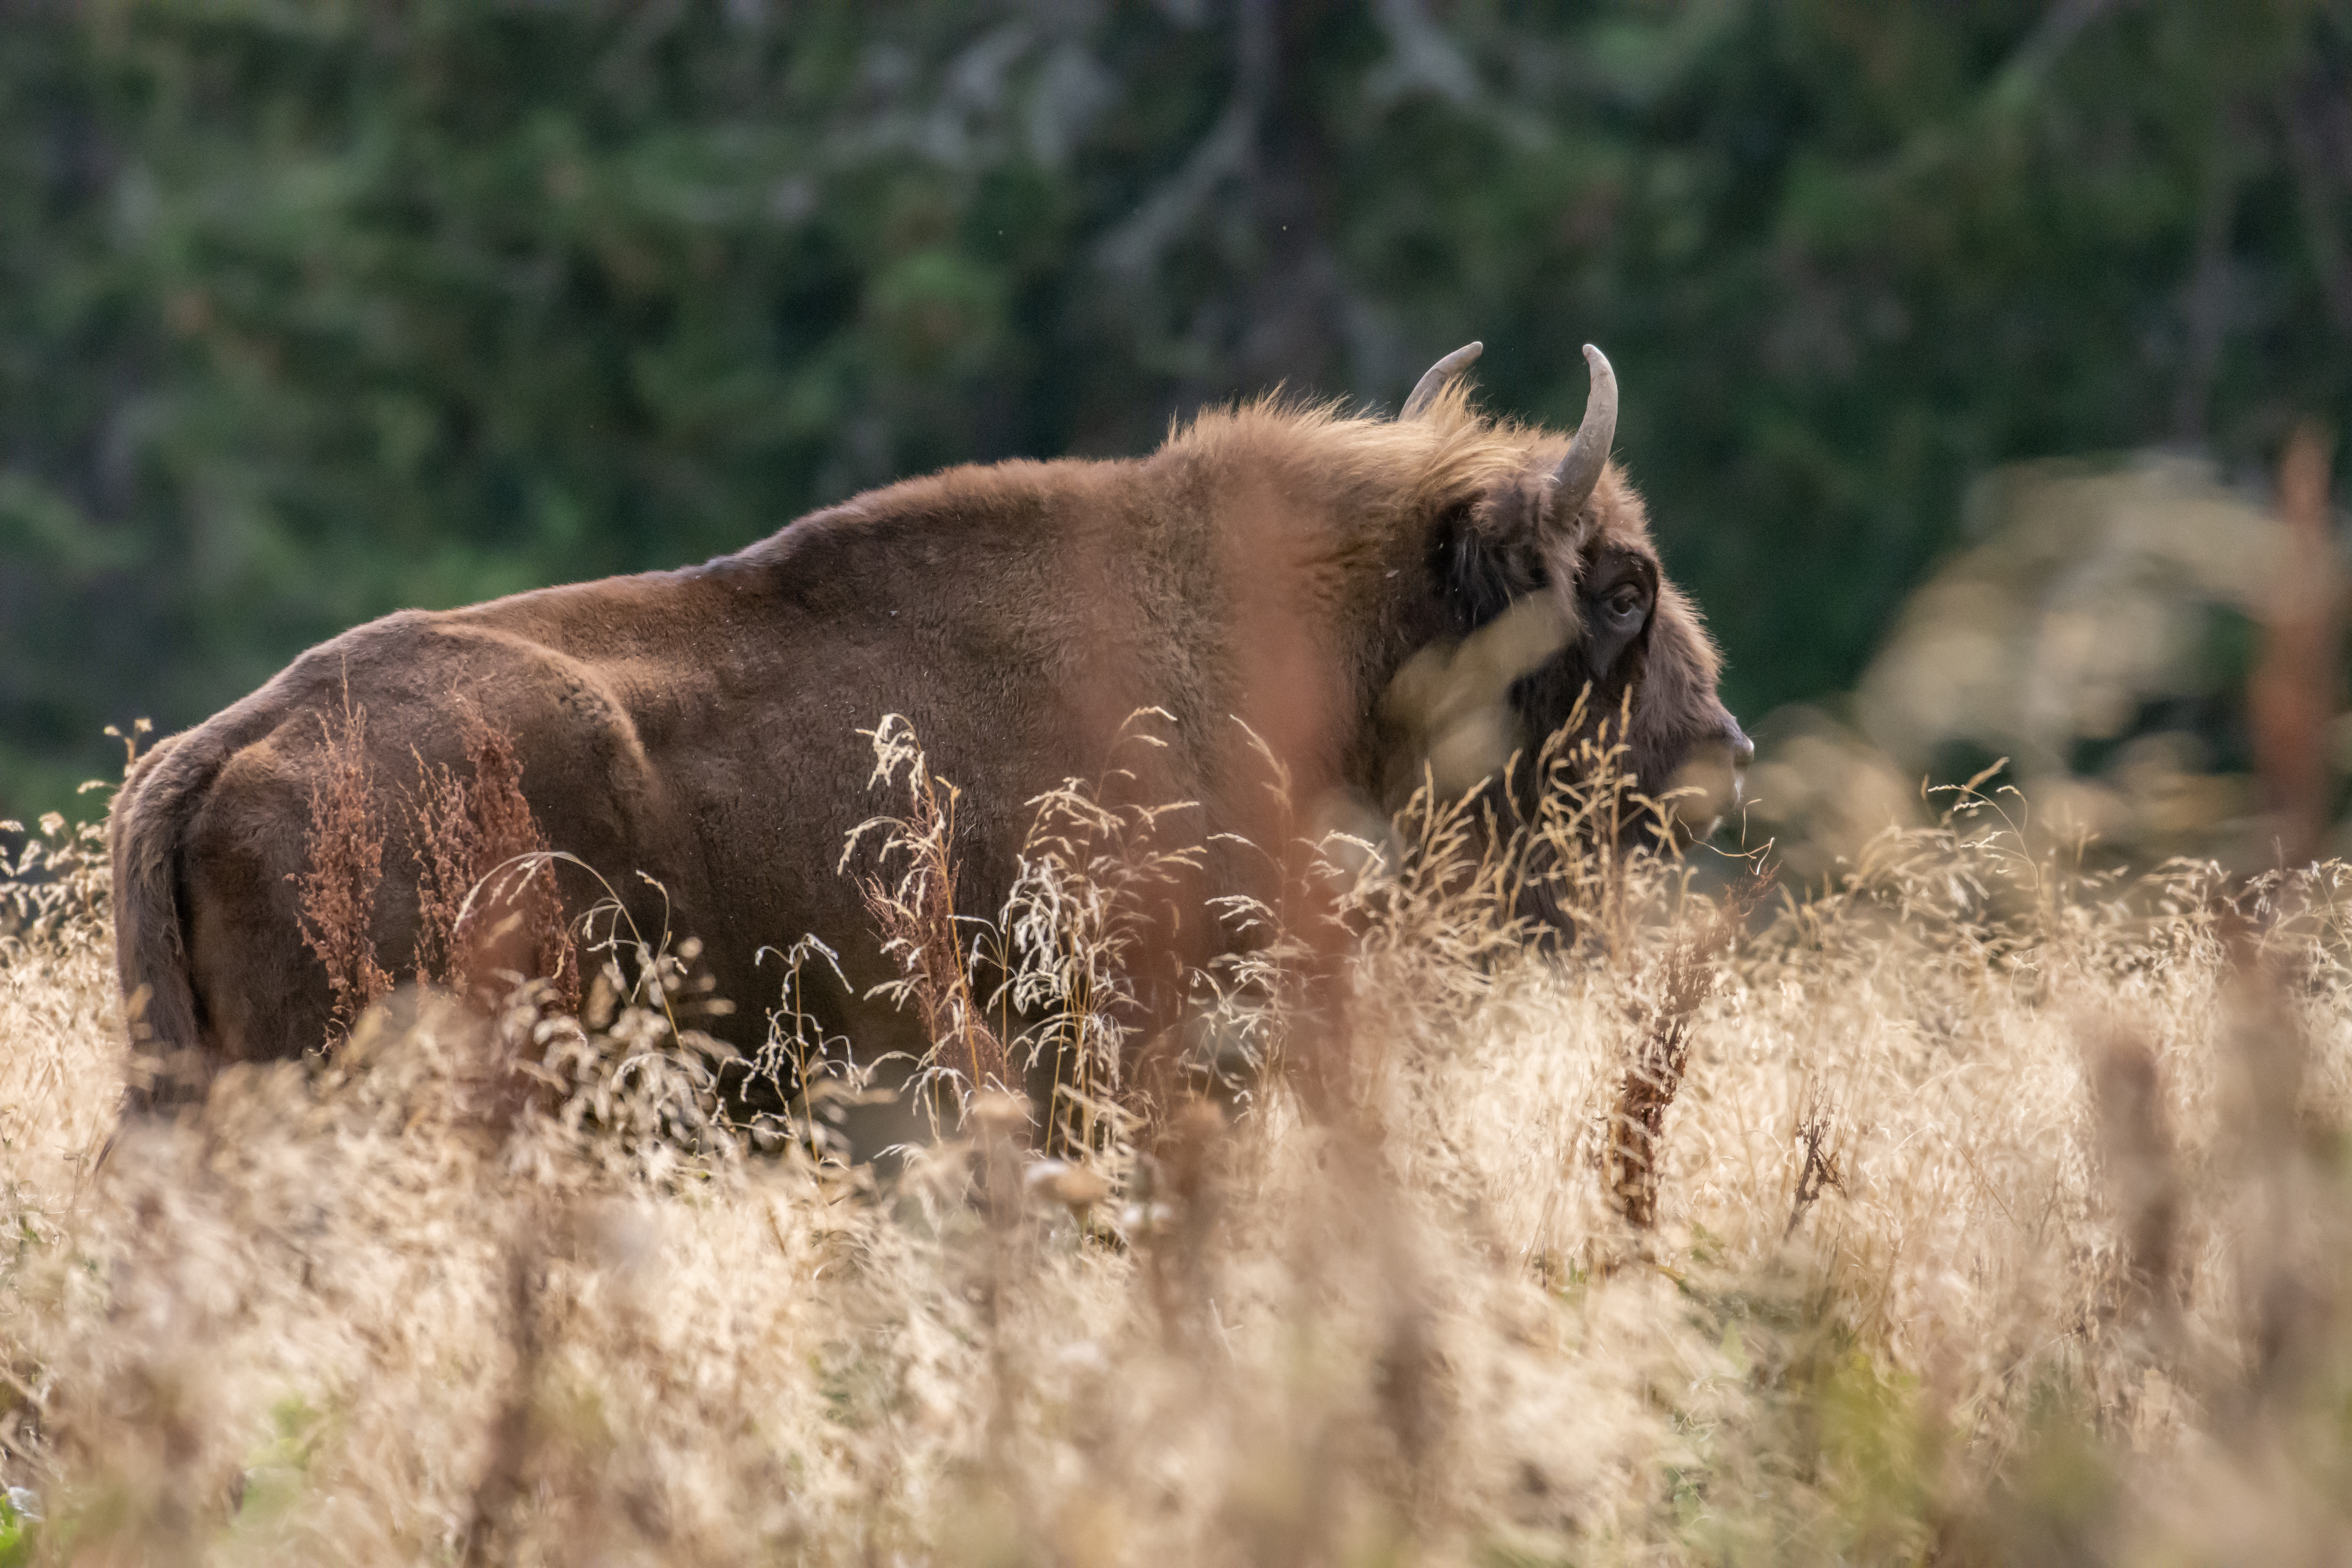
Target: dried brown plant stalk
{"x": 488, "y": 909}
{"x": 486, "y": 904}
{"x": 1820, "y": 1159}
{"x": 1635, "y": 1141}
{"x": 337, "y": 894}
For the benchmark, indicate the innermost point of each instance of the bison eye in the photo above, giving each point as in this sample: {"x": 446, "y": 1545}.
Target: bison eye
{"x": 1624, "y": 608}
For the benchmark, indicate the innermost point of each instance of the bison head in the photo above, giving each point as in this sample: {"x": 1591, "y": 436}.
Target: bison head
{"x": 1551, "y": 596}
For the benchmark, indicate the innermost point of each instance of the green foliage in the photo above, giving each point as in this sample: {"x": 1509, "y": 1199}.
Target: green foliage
{"x": 309, "y": 312}
{"x": 18, "y": 1535}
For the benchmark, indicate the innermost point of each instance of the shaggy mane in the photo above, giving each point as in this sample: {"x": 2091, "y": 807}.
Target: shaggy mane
{"x": 1375, "y": 469}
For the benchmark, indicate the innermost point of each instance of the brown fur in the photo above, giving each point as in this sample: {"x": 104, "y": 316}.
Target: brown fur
{"x": 1271, "y": 564}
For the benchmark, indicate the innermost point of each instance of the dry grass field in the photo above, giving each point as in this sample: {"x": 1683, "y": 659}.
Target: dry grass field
{"x": 1970, "y": 1207}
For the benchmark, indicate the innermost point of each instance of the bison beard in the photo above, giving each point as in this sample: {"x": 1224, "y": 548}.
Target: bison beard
{"x": 1364, "y": 596}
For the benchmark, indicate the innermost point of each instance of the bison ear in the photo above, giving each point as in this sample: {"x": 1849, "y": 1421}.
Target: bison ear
{"x": 1546, "y": 505}
{"x": 1486, "y": 576}
{"x": 1539, "y": 511}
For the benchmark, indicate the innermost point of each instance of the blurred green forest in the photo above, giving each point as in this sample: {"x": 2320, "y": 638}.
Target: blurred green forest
{"x": 309, "y": 312}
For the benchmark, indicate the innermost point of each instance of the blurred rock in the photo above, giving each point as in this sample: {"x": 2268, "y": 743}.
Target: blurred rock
{"x": 2100, "y": 635}
{"x": 2090, "y": 597}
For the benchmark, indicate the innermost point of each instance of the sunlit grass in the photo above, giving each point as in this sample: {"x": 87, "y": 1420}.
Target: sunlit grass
{"x": 1997, "y": 1215}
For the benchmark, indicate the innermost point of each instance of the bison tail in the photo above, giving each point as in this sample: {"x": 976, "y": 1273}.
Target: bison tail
{"x": 146, "y": 831}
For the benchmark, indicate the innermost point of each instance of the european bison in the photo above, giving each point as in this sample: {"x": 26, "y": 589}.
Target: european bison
{"x": 1272, "y": 563}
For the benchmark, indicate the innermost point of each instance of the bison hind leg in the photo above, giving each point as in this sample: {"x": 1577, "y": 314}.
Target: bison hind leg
{"x": 261, "y": 992}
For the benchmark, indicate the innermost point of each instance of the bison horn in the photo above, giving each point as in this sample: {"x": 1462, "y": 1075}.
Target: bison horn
{"x": 1434, "y": 379}
{"x": 1580, "y": 471}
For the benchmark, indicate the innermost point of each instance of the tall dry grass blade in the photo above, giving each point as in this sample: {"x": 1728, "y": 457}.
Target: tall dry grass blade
{"x": 2139, "y": 1162}
{"x": 915, "y": 915}
{"x": 1087, "y": 942}
{"x": 487, "y": 1532}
